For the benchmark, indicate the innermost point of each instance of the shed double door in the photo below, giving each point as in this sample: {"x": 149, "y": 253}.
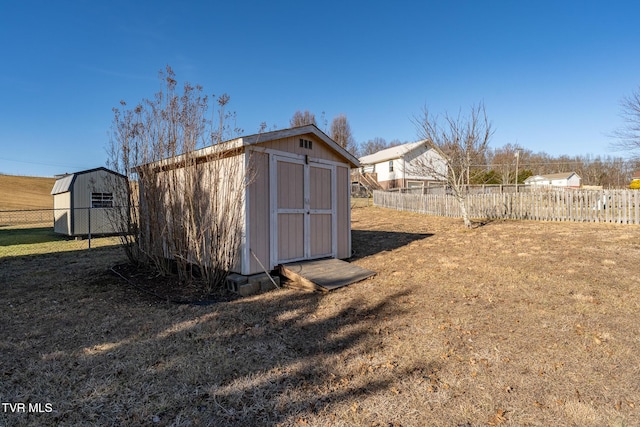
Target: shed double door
{"x": 303, "y": 214}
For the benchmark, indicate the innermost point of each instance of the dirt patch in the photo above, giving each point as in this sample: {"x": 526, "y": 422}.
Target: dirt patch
{"x": 512, "y": 323}
{"x": 169, "y": 287}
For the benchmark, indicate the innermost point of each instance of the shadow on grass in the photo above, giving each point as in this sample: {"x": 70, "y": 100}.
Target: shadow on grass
{"x": 370, "y": 242}
{"x": 102, "y": 354}
{"x": 25, "y": 236}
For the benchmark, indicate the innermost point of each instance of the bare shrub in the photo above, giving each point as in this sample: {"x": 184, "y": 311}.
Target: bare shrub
{"x": 185, "y": 200}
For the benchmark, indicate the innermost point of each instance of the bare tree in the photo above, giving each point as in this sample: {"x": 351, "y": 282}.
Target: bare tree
{"x": 376, "y": 144}
{"x": 373, "y": 146}
{"x": 302, "y": 118}
{"x": 341, "y": 133}
{"x": 629, "y": 135}
{"x": 503, "y": 161}
{"x": 462, "y": 142}
{"x": 184, "y": 212}
{"x": 323, "y": 121}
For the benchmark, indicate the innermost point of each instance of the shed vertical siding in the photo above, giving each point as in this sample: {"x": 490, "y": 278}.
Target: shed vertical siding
{"x": 344, "y": 212}
{"x": 258, "y": 233}
{"x": 290, "y": 236}
{"x": 319, "y": 149}
{"x": 81, "y": 201}
{"x": 321, "y": 205}
{"x": 321, "y": 235}
{"x": 62, "y": 213}
{"x": 290, "y": 185}
{"x": 290, "y": 215}
{"x": 320, "y": 186}
{"x": 220, "y": 191}
{"x": 98, "y": 181}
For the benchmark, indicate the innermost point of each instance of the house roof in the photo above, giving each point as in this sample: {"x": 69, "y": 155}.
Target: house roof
{"x": 552, "y": 176}
{"x": 258, "y": 138}
{"x": 390, "y": 153}
{"x": 65, "y": 182}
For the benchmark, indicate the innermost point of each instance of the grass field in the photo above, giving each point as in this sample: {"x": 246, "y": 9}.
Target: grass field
{"x": 510, "y": 324}
{"x": 16, "y": 241}
{"x": 25, "y": 192}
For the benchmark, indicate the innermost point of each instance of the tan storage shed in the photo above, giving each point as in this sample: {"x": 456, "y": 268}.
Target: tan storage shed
{"x": 297, "y": 204}
{"x": 82, "y": 201}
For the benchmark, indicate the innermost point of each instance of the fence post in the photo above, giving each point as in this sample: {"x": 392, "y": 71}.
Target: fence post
{"x": 89, "y": 226}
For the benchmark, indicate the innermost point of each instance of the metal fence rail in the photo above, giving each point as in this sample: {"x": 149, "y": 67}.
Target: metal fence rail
{"x": 48, "y": 225}
{"x": 80, "y": 223}
{"x": 98, "y": 219}
{"x": 575, "y": 205}
{"x": 42, "y": 217}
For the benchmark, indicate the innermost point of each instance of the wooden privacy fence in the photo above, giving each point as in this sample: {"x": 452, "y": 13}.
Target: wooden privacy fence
{"x": 616, "y": 206}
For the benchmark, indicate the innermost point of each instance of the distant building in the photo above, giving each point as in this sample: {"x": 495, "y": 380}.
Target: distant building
{"x": 97, "y": 190}
{"x": 399, "y": 166}
{"x": 564, "y": 179}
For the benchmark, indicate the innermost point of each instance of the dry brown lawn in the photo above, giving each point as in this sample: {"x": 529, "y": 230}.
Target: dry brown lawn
{"x": 511, "y": 324}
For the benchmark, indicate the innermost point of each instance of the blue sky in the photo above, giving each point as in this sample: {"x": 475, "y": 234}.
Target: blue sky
{"x": 550, "y": 73}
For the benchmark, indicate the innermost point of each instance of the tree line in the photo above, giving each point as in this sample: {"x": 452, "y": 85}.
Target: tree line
{"x": 497, "y": 165}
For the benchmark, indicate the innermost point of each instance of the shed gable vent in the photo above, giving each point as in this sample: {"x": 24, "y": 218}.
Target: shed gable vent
{"x": 306, "y": 143}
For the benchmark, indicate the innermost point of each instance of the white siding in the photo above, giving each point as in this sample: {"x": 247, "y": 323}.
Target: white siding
{"x": 62, "y": 213}
{"x": 410, "y": 166}
{"x": 99, "y": 181}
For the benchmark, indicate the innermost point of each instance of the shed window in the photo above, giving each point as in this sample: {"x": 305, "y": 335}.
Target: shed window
{"x": 101, "y": 200}
{"x": 390, "y": 165}
{"x": 305, "y": 143}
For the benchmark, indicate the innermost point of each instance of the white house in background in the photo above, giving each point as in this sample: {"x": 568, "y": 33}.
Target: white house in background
{"x": 400, "y": 166}
{"x": 564, "y": 179}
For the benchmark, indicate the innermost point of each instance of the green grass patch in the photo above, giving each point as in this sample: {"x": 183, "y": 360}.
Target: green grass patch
{"x": 41, "y": 240}
{"x": 28, "y": 236}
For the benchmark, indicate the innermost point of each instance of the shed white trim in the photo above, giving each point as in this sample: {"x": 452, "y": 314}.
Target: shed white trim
{"x": 245, "y": 249}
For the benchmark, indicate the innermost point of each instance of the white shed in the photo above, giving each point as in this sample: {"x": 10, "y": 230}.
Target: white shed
{"x": 82, "y": 201}
{"x": 400, "y": 166}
